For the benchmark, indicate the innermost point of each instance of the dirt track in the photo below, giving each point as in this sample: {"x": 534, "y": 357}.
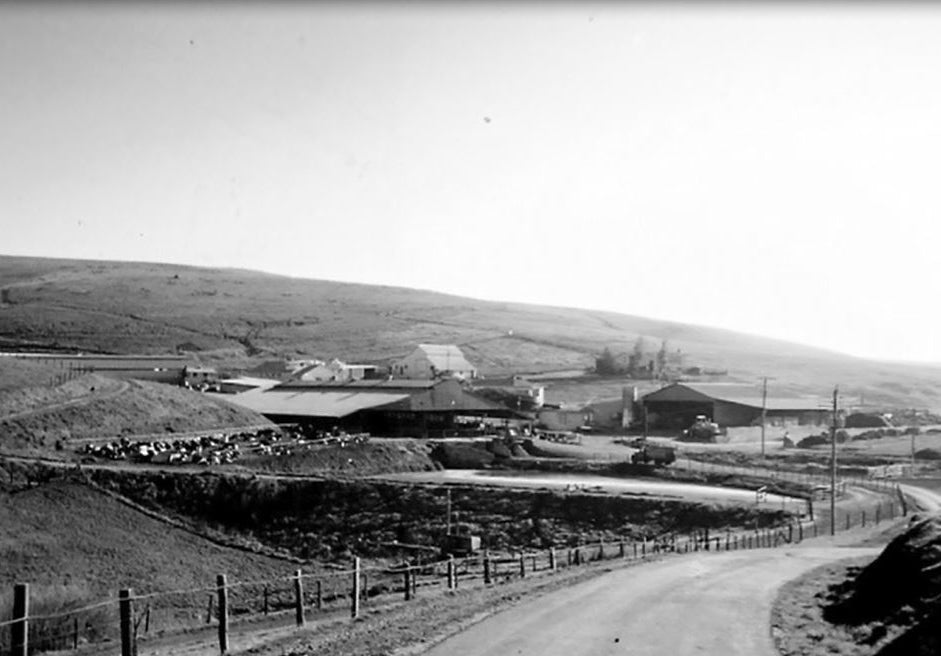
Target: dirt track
{"x": 707, "y": 604}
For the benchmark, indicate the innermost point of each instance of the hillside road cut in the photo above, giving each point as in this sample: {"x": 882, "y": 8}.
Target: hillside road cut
{"x": 707, "y": 604}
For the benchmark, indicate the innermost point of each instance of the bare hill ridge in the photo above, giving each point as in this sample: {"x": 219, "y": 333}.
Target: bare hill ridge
{"x": 235, "y": 316}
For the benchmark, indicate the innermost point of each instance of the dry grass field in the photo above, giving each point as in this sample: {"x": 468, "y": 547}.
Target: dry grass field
{"x": 238, "y": 317}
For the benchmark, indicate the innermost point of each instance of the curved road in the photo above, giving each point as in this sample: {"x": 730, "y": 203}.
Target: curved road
{"x": 703, "y": 604}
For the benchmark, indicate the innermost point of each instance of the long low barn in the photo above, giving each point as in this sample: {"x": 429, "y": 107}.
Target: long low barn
{"x": 729, "y": 404}
{"x": 379, "y": 407}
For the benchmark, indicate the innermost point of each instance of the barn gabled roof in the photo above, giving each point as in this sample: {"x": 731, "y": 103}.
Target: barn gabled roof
{"x": 747, "y": 395}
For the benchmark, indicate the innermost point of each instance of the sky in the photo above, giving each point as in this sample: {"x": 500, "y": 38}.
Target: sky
{"x": 770, "y": 168}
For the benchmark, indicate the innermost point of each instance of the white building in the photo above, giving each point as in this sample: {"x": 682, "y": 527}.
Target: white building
{"x": 336, "y": 371}
{"x": 430, "y": 361}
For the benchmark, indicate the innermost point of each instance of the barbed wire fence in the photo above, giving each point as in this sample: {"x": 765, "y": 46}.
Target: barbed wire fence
{"x": 137, "y": 622}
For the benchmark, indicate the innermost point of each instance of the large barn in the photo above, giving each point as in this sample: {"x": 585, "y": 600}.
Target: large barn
{"x": 380, "y": 407}
{"x": 729, "y": 404}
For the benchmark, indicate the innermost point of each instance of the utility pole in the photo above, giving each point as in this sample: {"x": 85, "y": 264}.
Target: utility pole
{"x": 833, "y": 465}
{"x": 449, "y": 511}
{"x": 764, "y": 403}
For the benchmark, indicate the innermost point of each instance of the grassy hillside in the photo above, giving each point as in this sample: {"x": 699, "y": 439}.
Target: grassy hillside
{"x": 34, "y": 417}
{"x": 237, "y": 317}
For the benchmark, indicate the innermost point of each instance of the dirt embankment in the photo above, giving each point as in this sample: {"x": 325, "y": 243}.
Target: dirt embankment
{"x": 34, "y": 419}
{"x": 377, "y": 456}
{"x": 332, "y": 519}
{"x": 890, "y": 606}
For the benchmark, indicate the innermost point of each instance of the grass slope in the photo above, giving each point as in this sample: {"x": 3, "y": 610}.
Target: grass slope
{"x": 70, "y": 541}
{"x": 33, "y": 418}
{"x": 235, "y": 316}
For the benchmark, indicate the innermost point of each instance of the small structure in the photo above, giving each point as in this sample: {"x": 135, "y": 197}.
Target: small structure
{"x": 430, "y": 361}
{"x": 336, "y": 371}
{"x": 200, "y": 377}
{"x": 243, "y": 384}
{"x": 532, "y": 394}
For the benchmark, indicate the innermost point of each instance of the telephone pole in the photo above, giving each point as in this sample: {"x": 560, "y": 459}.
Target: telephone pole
{"x": 764, "y": 403}
{"x": 833, "y": 465}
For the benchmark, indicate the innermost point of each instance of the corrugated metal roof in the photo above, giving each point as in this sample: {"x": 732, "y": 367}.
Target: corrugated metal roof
{"x": 313, "y": 403}
{"x": 737, "y": 393}
{"x": 363, "y": 384}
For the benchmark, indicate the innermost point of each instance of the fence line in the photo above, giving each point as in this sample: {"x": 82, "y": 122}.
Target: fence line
{"x": 355, "y": 586}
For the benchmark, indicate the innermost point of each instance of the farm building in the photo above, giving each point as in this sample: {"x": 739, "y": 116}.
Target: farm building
{"x": 430, "y": 361}
{"x": 728, "y": 404}
{"x": 243, "y": 384}
{"x": 532, "y": 393}
{"x": 380, "y": 407}
{"x": 336, "y": 371}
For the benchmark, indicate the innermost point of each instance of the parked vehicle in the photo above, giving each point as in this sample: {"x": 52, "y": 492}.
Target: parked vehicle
{"x": 702, "y": 430}
{"x": 656, "y": 454}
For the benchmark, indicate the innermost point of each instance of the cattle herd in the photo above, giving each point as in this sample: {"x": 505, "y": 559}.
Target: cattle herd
{"x": 219, "y": 448}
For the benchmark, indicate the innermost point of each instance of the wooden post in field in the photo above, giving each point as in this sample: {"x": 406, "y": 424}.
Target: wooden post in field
{"x": 800, "y": 531}
{"x": 522, "y": 566}
{"x": 643, "y": 548}
{"x": 635, "y": 549}
{"x": 75, "y": 630}
{"x": 19, "y": 630}
{"x": 319, "y": 594}
{"x": 354, "y": 603}
{"x": 487, "y": 573}
{"x": 864, "y": 518}
{"x": 299, "y": 598}
{"x": 223, "y": 592}
{"x": 126, "y": 607}
{"x": 552, "y": 558}
{"x": 847, "y": 521}
{"x": 408, "y": 583}
{"x": 621, "y": 549}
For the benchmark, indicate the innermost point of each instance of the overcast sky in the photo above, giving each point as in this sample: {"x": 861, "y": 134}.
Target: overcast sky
{"x": 773, "y": 170}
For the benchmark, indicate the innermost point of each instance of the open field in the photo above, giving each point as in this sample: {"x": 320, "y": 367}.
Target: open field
{"x": 237, "y": 317}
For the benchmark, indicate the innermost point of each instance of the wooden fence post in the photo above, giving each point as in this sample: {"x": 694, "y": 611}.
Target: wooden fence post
{"x": 847, "y": 521}
{"x": 601, "y": 550}
{"x": 864, "y": 518}
{"x": 487, "y": 575}
{"x": 522, "y": 566}
{"x": 635, "y": 549}
{"x": 299, "y": 598}
{"x": 552, "y": 558}
{"x": 319, "y": 594}
{"x": 643, "y": 548}
{"x": 800, "y": 531}
{"x": 75, "y": 630}
{"x": 128, "y": 641}
{"x": 408, "y": 583}
{"x": 19, "y": 631}
{"x": 223, "y": 593}
{"x": 354, "y": 604}
{"x": 621, "y": 549}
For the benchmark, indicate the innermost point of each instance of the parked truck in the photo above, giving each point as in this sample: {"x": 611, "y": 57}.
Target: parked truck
{"x": 702, "y": 430}
{"x": 655, "y": 454}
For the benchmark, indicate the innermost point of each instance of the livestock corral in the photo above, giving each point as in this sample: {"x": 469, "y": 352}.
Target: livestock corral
{"x": 217, "y": 448}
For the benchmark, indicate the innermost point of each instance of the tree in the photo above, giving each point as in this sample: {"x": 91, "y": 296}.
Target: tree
{"x": 606, "y": 364}
{"x": 662, "y": 359}
{"x": 635, "y": 362}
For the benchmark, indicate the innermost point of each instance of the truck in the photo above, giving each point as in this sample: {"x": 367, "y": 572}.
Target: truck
{"x": 702, "y": 430}
{"x": 656, "y": 454}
